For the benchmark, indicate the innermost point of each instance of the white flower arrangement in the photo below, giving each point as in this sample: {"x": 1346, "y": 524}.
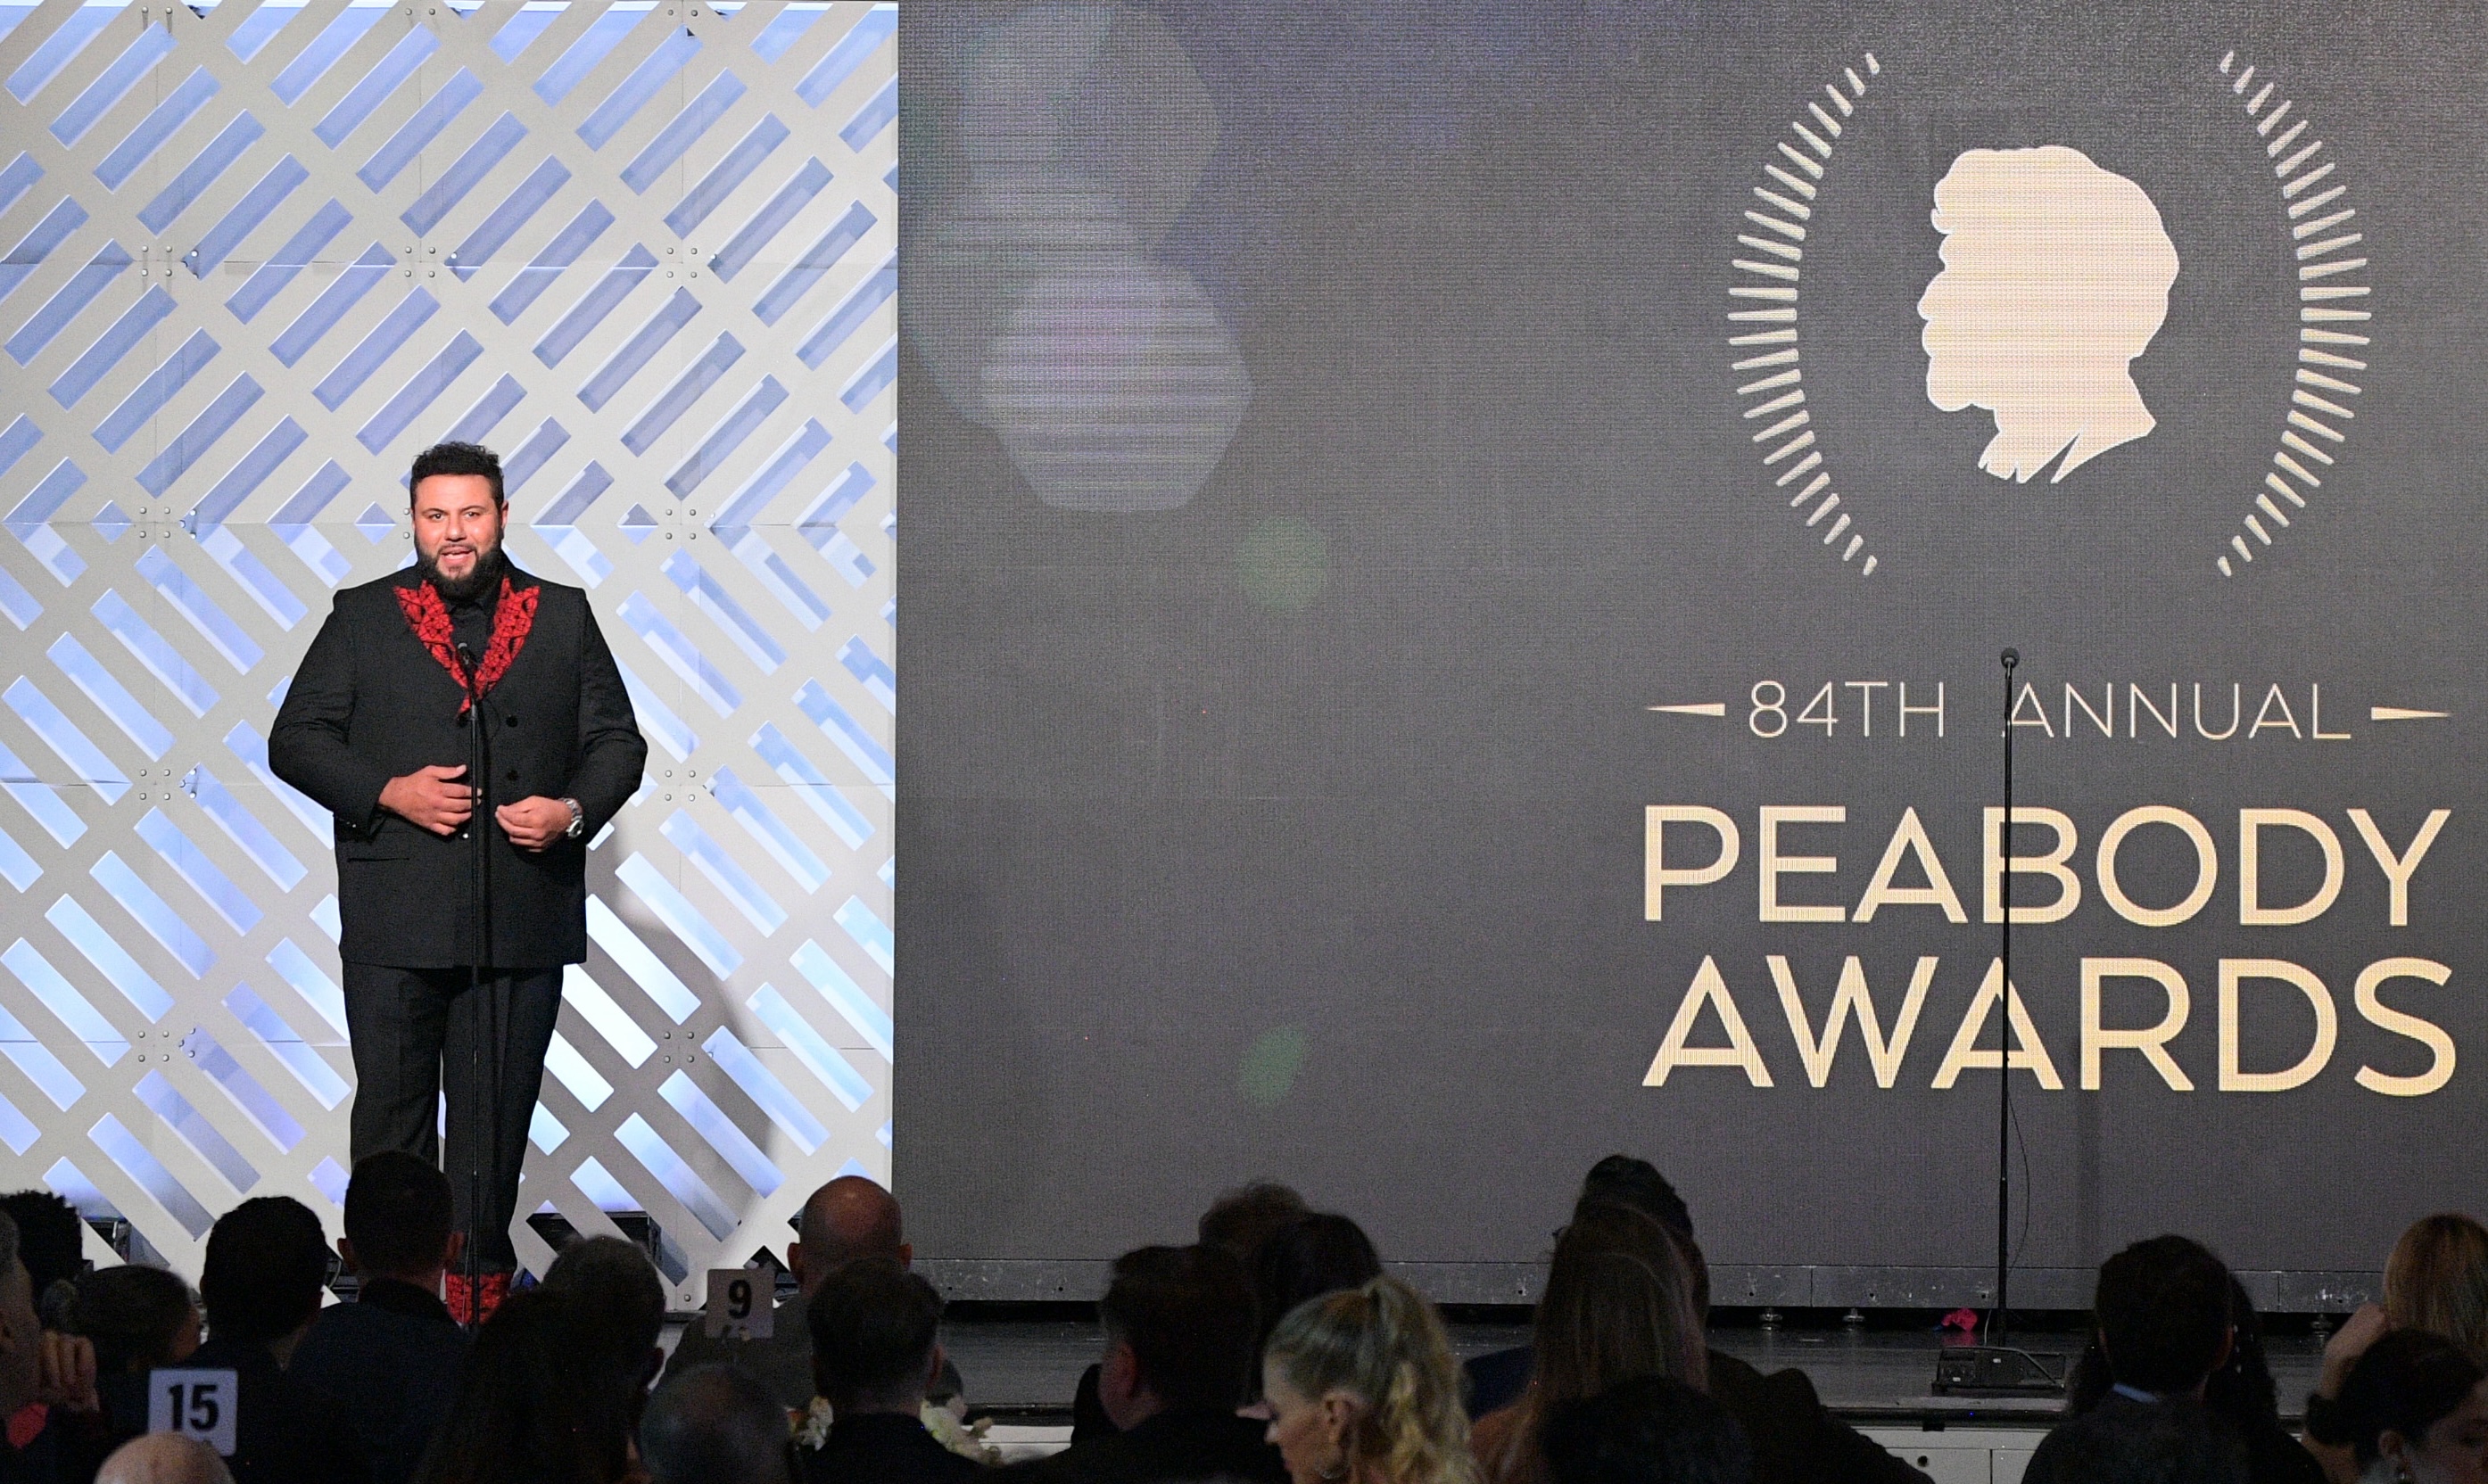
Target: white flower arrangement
{"x": 811, "y": 1431}
{"x": 957, "y": 1433}
{"x": 811, "y": 1426}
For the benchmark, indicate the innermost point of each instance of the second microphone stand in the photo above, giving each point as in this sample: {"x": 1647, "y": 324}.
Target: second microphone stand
{"x": 483, "y": 1113}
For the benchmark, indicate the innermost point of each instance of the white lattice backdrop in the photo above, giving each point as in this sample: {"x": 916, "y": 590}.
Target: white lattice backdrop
{"x": 257, "y": 255}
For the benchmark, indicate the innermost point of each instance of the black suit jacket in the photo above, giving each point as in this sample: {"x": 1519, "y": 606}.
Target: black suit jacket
{"x": 285, "y": 1432}
{"x": 886, "y": 1450}
{"x": 370, "y": 703}
{"x": 392, "y": 1361}
{"x": 2174, "y": 1440}
{"x": 1170, "y": 1447}
{"x": 1796, "y": 1440}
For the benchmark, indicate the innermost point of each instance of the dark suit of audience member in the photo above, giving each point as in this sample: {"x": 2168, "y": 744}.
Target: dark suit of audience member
{"x": 875, "y": 1330}
{"x": 1793, "y": 1436}
{"x": 1179, "y": 1354}
{"x": 267, "y": 1261}
{"x": 392, "y": 1356}
{"x": 882, "y": 1447}
{"x": 1649, "y": 1430}
{"x": 285, "y": 1432}
{"x": 2146, "y": 1441}
{"x": 2240, "y": 1393}
{"x": 1193, "y": 1444}
{"x": 850, "y": 1217}
{"x": 2164, "y": 1321}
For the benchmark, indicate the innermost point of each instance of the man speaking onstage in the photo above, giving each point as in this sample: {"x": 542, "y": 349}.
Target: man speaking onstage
{"x": 376, "y": 727}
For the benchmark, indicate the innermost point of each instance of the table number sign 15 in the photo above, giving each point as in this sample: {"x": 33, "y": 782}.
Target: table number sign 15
{"x": 200, "y": 1404}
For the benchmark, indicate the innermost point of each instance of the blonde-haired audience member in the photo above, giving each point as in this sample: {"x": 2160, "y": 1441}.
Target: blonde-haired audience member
{"x": 1361, "y": 1387}
{"x": 2435, "y": 1281}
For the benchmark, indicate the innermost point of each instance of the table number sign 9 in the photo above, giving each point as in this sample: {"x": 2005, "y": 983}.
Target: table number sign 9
{"x": 739, "y": 1305}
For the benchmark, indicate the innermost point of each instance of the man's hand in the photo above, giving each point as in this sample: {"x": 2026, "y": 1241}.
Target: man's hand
{"x": 532, "y": 823}
{"x": 66, "y": 1377}
{"x": 431, "y": 798}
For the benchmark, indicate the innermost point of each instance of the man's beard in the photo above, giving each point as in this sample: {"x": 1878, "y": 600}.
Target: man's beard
{"x": 486, "y": 572}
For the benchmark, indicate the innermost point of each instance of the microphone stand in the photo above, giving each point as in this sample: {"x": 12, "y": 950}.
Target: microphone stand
{"x": 1996, "y": 1321}
{"x": 1991, "y": 1367}
{"x": 479, "y": 766}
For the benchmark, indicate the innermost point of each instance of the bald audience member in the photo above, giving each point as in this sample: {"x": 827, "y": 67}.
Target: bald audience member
{"x": 715, "y": 1425}
{"x": 164, "y": 1458}
{"x": 848, "y": 1218}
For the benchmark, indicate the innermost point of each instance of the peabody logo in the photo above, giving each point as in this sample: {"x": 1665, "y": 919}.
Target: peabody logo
{"x": 2055, "y": 280}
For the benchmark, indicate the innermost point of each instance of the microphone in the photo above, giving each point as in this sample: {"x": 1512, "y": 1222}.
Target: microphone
{"x": 2012, "y": 656}
{"x": 467, "y": 662}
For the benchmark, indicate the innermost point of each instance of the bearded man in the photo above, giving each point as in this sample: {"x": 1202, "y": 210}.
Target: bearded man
{"x": 378, "y": 726}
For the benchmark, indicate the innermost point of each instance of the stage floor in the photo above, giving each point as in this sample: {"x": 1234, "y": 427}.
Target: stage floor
{"x": 1028, "y": 1369}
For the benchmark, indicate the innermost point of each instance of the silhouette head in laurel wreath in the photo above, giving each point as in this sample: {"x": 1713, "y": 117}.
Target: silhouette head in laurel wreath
{"x": 2055, "y": 277}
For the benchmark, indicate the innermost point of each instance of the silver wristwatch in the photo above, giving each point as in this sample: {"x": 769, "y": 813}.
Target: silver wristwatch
{"x": 578, "y": 821}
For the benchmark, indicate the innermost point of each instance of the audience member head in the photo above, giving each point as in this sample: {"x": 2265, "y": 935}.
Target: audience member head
{"x": 1179, "y": 1328}
{"x": 267, "y": 1261}
{"x": 137, "y": 1319}
{"x": 2162, "y": 1309}
{"x": 2242, "y": 1390}
{"x": 2180, "y": 1443}
{"x": 1243, "y": 1219}
{"x": 1618, "y": 1303}
{"x": 621, "y": 1311}
{"x": 2414, "y": 1410}
{"x": 163, "y": 1458}
{"x": 527, "y": 1410}
{"x": 51, "y": 1242}
{"x": 2437, "y": 1280}
{"x": 1314, "y": 1254}
{"x": 876, "y": 1342}
{"x": 1636, "y": 1185}
{"x": 398, "y": 1221}
{"x": 715, "y": 1425}
{"x": 1362, "y": 1384}
{"x": 1649, "y": 1430}
{"x": 1621, "y": 1180}
{"x": 848, "y": 1218}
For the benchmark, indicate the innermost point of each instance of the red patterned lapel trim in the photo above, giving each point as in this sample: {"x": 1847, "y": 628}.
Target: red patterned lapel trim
{"x": 513, "y": 617}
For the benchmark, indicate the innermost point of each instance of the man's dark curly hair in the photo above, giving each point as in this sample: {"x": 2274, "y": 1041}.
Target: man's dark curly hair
{"x": 457, "y": 459}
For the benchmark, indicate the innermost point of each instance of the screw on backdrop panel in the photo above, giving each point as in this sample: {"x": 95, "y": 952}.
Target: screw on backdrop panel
{"x": 256, "y": 255}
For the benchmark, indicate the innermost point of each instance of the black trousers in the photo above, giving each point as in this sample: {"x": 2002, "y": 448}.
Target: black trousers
{"x": 413, "y": 1031}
